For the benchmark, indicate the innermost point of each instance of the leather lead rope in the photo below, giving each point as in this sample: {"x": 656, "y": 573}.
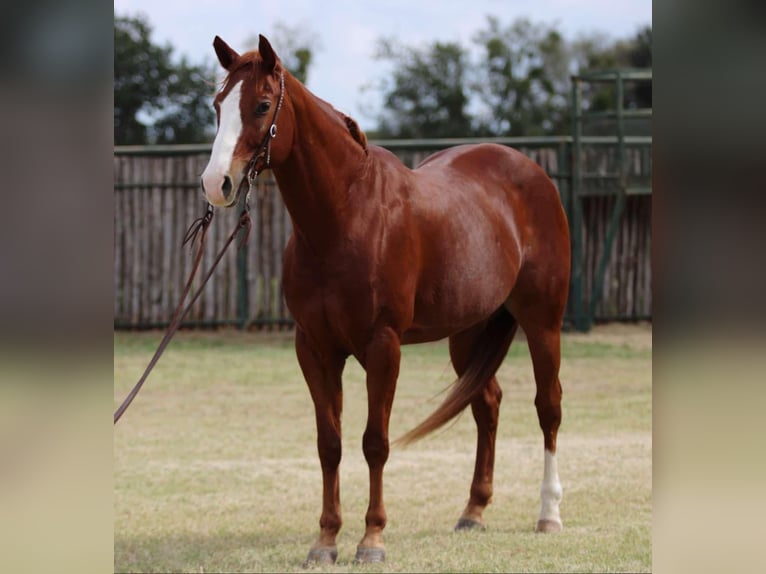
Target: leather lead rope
{"x": 198, "y": 227}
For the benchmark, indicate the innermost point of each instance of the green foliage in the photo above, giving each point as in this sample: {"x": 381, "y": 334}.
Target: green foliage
{"x": 517, "y": 84}
{"x": 160, "y": 101}
{"x": 155, "y": 99}
{"x": 188, "y": 117}
{"x": 513, "y": 81}
{"x": 139, "y": 67}
{"x": 522, "y": 79}
{"x": 427, "y": 93}
{"x": 598, "y": 52}
{"x": 295, "y": 45}
{"x": 640, "y": 56}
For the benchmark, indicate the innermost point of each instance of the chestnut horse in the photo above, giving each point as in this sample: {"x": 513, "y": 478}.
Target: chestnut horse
{"x": 469, "y": 245}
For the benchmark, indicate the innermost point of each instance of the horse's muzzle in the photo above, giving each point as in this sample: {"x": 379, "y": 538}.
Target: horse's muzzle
{"x": 221, "y": 194}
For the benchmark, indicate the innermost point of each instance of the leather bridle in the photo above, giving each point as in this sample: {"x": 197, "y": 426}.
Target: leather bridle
{"x": 264, "y": 150}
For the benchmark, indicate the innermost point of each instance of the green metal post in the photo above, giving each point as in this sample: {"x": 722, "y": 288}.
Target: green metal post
{"x": 564, "y": 182}
{"x": 577, "y": 292}
{"x": 620, "y": 133}
{"x": 243, "y": 303}
{"x": 619, "y": 205}
{"x": 242, "y": 299}
{"x": 564, "y": 177}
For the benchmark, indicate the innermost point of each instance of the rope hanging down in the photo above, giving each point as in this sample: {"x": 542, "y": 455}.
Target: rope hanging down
{"x": 199, "y": 228}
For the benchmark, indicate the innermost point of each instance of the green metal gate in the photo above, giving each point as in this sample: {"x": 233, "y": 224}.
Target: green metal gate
{"x": 582, "y": 304}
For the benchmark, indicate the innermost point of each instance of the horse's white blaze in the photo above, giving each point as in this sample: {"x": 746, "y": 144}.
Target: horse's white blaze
{"x": 550, "y": 491}
{"x": 229, "y": 129}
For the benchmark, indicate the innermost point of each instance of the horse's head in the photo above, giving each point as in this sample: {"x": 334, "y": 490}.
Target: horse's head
{"x": 247, "y": 107}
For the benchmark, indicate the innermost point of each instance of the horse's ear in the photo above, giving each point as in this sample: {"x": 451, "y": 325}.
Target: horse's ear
{"x": 226, "y": 55}
{"x": 268, "y": 55}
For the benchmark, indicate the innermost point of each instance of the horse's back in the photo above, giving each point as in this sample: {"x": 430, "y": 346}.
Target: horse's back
{"x": 516, "y": 183}
{"x": 490, "y": 162}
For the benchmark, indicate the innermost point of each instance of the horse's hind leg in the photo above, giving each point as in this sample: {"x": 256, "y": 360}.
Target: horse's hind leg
{"x": 485, "y": 409}
{"x": 543, "y": 331}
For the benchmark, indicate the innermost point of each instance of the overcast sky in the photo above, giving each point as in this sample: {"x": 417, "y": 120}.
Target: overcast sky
{"x": 347, "y": 30}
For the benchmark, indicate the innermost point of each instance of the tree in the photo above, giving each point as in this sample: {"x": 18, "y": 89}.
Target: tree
{"x": 599, "y": 52}
{"x": 523, "y": 79}
{"x": 295, "y": 46}
{"x": 139, "y": 66}
{"x": 155, "y": 99}
{"x": 519, "y": 84}
{"x": 640, "y": 56}
{"x": 426, "y": 95}
{"x": 188, "y": 116}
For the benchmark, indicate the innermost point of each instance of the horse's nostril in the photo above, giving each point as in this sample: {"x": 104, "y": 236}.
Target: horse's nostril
{"x": 202, "y": 184}
{"x": 226, "y": 186}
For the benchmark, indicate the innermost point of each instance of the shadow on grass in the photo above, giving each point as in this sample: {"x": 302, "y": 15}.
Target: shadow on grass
{"x": 228, "y": 552}
{"x": 576, "y": 549}
{"x": 197, "y": 552}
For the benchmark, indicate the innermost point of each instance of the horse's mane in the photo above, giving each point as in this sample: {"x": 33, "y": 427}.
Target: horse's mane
{"x": 355, "y": 131}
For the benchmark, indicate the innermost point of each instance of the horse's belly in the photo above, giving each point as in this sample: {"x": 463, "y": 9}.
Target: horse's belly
{"x": 424, "y": 335}
{"x": 467, "y": 297}
{"x": 422, "y": 331}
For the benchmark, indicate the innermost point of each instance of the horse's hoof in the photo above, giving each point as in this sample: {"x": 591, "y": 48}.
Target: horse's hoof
{"x": 369, "y": 554}
{"x": 321, "y": 556}
{"x": 469, "y": 524}
{"x": 548, "y": 526}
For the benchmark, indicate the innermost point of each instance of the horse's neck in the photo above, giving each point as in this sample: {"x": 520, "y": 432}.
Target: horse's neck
{"x": 324, "y": 162}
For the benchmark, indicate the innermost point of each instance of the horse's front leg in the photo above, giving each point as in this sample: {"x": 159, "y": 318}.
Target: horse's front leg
{"x": 323, "y": 371}
{"x": 381, "y": 362}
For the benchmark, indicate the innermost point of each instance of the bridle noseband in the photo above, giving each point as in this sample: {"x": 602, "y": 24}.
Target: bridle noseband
{"x": 264, "y": 150}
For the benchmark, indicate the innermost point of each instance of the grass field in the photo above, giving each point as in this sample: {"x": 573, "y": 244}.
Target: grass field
{"x": 215, "y": 464}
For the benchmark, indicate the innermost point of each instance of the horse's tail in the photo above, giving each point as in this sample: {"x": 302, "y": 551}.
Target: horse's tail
{"x": 489, "y": 351}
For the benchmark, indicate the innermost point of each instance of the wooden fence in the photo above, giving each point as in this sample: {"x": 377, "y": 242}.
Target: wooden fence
{"x": 156, "y": 199}
{"x": 157, "y": 196}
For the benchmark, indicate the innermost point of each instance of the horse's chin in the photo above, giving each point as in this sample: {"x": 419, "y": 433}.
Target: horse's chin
{"x": 237, "y": 194}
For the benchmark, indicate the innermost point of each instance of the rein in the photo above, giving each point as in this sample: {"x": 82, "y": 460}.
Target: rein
{"x": 199, "y": 227}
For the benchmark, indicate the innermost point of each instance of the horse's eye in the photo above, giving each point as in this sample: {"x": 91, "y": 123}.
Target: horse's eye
{"x": 262, "y": 108}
